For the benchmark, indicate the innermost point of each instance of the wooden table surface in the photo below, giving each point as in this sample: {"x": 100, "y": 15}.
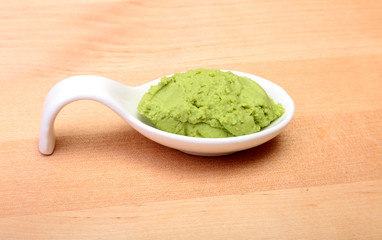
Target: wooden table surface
{"x": 321, "y": 178}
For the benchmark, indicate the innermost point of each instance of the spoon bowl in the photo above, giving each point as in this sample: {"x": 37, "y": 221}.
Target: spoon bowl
{"x": 124, "y": 101}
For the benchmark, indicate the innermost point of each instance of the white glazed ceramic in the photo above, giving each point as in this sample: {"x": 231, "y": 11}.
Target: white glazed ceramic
{"x": 124, "y": 101}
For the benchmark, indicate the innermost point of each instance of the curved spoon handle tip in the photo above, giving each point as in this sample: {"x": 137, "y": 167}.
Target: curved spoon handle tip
{"x": 100, "y": 89}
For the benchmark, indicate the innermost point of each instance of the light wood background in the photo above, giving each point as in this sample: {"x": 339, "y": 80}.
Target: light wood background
{"x": 320, "y": 179}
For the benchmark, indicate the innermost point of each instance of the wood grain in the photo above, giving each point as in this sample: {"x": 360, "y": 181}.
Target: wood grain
{"x": 325, "y": 212}
{"x": 320, "y": 179}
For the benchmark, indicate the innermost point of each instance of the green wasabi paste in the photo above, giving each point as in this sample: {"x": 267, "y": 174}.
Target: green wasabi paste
{"x": 210, "y": 104}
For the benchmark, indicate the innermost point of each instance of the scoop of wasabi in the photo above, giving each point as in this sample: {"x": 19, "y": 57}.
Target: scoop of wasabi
{"x": 210, "y": 104}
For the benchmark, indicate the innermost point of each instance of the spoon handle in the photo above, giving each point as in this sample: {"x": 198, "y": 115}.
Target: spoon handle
{"x": 100, "y": 89}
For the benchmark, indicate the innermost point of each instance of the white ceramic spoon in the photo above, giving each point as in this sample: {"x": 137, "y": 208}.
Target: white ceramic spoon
{"x": 124, "y": 101}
